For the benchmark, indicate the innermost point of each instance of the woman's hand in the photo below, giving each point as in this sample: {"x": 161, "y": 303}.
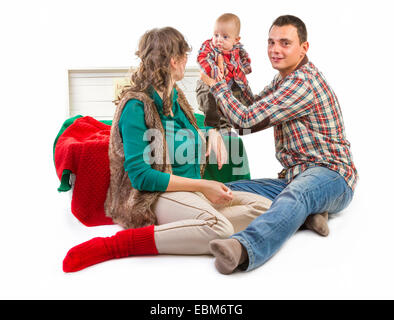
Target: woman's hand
{"x": 216, "y": 143}
{"x": 215, "y": 191}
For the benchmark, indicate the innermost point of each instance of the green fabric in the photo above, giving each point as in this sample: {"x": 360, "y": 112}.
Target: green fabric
{"x": 224, "y": 175}
{"x": 238, "y": 166}
{"x": 200, "y": 120}
{"x": 237, "y": 162}
{"x": 65, "y": 181}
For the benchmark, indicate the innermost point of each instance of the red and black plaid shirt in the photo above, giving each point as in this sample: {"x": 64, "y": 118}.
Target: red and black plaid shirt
{"x": 306, "y": 117}
{"x": 236, "y": 63}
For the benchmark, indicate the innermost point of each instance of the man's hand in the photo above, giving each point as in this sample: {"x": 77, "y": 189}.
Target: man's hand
{"x": 207, "y": 80}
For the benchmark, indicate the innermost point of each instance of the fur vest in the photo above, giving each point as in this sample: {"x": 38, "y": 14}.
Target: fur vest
{"x": 125, "y": 205}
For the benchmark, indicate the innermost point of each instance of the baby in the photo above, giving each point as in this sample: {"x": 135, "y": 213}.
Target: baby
{"x": 224, "y": 46}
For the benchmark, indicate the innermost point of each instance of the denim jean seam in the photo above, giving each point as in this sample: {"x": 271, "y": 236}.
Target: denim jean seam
{"x": 276, "y": 227}
{"x": 248, "y": 248}
{"x": 341, "y": 198}
{"x": 320, "y": 186}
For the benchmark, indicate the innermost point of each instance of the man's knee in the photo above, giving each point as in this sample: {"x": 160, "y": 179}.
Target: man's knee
{"x": 295, "y": 194}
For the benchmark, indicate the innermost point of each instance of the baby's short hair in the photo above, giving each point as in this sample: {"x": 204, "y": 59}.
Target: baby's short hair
{"x": 230, "y": 17}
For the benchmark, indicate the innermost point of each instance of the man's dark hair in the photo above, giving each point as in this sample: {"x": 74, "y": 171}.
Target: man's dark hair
{"x": 295, "y": 22}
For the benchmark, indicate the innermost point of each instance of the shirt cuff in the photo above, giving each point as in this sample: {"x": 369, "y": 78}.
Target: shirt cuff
{"x": 163, "y": 181}
{"x": 219, "y": 88}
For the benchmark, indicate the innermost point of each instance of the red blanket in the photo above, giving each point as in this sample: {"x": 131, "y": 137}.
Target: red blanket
{"x": 83, "y": 149}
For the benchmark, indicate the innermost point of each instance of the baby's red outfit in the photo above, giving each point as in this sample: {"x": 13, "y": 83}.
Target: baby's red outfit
{"x": 236, "y": 62}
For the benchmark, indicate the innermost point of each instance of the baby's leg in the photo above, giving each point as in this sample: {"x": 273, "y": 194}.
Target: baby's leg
{"x": 207, "y": 104}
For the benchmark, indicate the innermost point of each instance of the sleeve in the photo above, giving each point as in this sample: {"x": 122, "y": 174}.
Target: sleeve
{"x": 132, "y": 129}
{"x": 244, "y": 59}
{"x": 293, "y": 99}
{"x": 206, "y": 60}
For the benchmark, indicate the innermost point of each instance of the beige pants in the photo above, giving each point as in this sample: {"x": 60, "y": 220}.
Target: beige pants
{"x": 187, "y": 221}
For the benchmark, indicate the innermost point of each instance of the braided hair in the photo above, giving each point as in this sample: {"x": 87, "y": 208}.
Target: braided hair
{"x": 156, "y": 48}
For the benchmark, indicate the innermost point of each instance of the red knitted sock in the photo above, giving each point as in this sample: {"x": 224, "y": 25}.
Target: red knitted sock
{"x": 123, "y": 244}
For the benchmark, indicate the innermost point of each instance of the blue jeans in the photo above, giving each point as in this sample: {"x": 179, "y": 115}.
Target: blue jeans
{"x": 316, "y": 190}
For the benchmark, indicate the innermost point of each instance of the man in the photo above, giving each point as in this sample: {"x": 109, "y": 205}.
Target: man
{"x": 319, "y": 174}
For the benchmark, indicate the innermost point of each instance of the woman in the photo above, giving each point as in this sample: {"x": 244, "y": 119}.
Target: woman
{"x": 162, "y": 202}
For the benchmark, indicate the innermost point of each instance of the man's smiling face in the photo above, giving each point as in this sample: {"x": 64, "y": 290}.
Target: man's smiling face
{"x": 284, "y": 49}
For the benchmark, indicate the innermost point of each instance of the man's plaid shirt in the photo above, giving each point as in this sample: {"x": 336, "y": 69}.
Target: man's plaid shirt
{"x": 306, "y": 117}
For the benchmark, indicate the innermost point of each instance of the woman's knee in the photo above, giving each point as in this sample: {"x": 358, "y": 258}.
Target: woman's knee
{"x": 220, "y": 226}
{"x": 225, "y": 229}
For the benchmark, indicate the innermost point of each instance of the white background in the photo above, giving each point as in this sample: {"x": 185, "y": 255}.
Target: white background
{"x": 350, "y": 41}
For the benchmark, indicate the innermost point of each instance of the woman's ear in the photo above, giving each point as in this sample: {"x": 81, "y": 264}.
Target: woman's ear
{"x": 173, "y": 62}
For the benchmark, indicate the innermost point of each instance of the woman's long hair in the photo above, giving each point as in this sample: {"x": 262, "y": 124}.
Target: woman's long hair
{"x": 156, "y": 48}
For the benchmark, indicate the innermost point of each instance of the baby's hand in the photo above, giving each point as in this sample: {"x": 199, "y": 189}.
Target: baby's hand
{"x": 220, "y": 75}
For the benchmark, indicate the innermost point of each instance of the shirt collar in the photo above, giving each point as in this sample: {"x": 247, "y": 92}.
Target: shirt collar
{"x": 303, "y": 62}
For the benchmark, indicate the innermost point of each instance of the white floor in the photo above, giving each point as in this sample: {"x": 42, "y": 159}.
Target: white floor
{"x": 355, "y": 261}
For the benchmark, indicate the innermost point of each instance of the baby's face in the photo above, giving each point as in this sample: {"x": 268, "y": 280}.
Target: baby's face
{"x": 225, "y": 35}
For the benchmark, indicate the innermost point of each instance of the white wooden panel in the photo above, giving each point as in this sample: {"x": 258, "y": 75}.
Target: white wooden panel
{"x": 80, "y": 82}
{"x": 94, "y": 109}
{"x": 91, "y": 91}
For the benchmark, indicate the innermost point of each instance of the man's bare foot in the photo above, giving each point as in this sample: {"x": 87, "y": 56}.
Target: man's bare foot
{"x": 318, "y": 223}
{"x": 229, "y": 254}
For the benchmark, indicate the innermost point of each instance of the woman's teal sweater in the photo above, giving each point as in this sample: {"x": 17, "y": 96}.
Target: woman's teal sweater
{"x": 183, "y": 141}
